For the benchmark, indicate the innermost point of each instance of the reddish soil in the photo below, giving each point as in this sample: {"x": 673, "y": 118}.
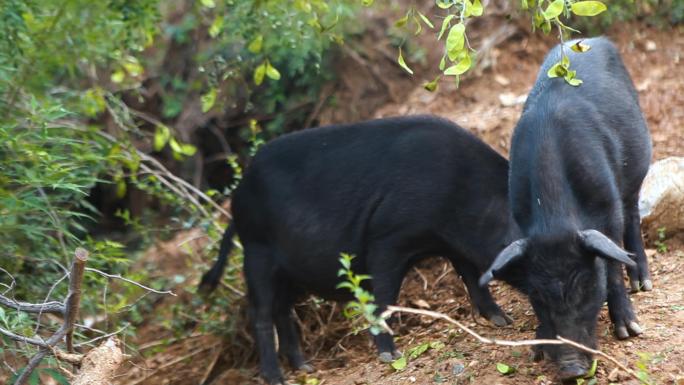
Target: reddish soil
{"x": 483, "y": 105}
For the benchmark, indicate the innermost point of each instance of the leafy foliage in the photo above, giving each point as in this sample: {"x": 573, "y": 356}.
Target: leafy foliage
{"x": 70, "y": 70}
{"x": 362, "y": 309}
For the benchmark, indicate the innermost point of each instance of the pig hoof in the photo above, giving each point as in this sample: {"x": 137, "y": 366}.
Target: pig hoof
{"x": 635, "y": 328}
{"x": 621, "y": 332}
{"x": 499, "y": 321}
{"x": 537, "y": 354}
{"x": 385, "y": 357}
{"x": 396, "y": 354}
{"x": 306, "y": 368}
{"x": 647, "y": 285}
{"x": 572, "y": 372}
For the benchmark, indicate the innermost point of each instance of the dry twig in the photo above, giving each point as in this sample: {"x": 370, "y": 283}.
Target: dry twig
{"x": 558, "y": 341}
{"x": 118, "y": 276}
{"x": 71, "y": 312}
{"x": 69, "y": 309}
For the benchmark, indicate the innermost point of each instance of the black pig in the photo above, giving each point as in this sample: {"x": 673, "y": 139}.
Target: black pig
{"x": 390, "y": 191}
{"x": 578, "y": 158}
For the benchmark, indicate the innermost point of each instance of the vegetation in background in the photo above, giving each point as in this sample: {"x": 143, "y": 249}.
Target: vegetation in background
{"x": 94, "y": 96}
{"x": 72, "y": 75}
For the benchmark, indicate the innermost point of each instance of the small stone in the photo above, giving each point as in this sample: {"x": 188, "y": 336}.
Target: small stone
{"x": 509, "y": 99}
{"x": 613, "y": 375}
{"x": 412, "y": 379}
{"x": 502, "y": 80}
{"x": 421, "y": 303}
{"x": 457, "y": 368}
{"x": 651, "y": 45}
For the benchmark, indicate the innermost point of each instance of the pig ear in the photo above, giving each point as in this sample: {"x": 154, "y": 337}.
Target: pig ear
{"x": 597, "y": 242}
{"x": 511, "y": 253}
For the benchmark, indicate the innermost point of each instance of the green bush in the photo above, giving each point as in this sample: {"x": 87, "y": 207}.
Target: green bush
{"x": 70, "y": 72}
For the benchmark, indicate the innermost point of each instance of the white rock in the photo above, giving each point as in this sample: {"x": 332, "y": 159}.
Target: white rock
{"x": 661, "y": 202}
{"x": 509, "y": 99}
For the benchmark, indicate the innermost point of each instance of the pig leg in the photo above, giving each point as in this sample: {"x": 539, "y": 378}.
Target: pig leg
{"x": 480, "y": 297}
{"x": 288, "y": 333}
{"x": 258, "y": 269}
{"x": 387, "y": 274}
{"x": 639, "y": 276}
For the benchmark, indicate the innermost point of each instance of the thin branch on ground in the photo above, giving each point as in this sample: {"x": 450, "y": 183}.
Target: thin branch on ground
{"x": 132, "y": 282}
{"x": 493, "y": 341}
{"x": 20, "y": 338}
{"x": 54, "y": 307}
{"x": 49, "y": 293}
{"x": 11, "y": 285}
{"x": 107, "y": 335}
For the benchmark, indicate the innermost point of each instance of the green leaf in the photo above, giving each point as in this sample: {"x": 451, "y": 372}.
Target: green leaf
{"x": 208, "y": 100}
{"x": 433, "y": 85}
{"x": 444, "y": 4}
{"x": 216, "y": 26}
{"x": 459, "y": 68}
{"x": 345, "y": 285}
{"x": 272, "y": 72}
{"x": 402, "y": 63}
{"x": 557, "y": 70}
{"x": 259, "y": 74}
{"x": 437, "y": 345}
{"x": 476, "y": 9}
{"x": 442, "y": 63}
{"x": 467, "y": 8}
{"x": 419, "y": 26}
{"x": 133, "y": 66}
{"x": 426, "y": 20}
{"x": 256, "y": 44}
{"x": 368, "y": 3}
{"x": 445, "y": 24}
{"x": 118, "y": 76}
{"x": 416, "y": 351}
{"x": 401, "y": 22}
{"x": 587, "y": 8}
{"x": 161, "y": 136}
{"x": 399, "y": 364}
{"x": 580, "y": 46}
{"x": 34, "y": 378}
{"x": 188, "y": 149}
{"x": 120, "y": 187}
{"x": 504, "y": 369}
{"x": 592, "y": 370}
{"x": 455, "y": 40}
{"x": 574, "y": 81}
{"x": 208, "y": 3}
{"x": 554, "y": 9}
{"x": 175, "y": 146}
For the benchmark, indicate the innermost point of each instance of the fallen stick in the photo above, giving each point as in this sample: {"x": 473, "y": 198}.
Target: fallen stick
{"x": 493, "y": 341}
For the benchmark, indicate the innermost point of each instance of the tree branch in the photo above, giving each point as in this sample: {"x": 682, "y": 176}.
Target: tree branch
{"x": 559, "y": 341}
{"x": 117, "y": 276}
{"x": 54, "y": 307}
{"x": 71, "y": 313}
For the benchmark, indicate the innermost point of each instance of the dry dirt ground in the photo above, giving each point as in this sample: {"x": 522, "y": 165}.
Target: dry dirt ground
{"x": 489, "y": 105}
